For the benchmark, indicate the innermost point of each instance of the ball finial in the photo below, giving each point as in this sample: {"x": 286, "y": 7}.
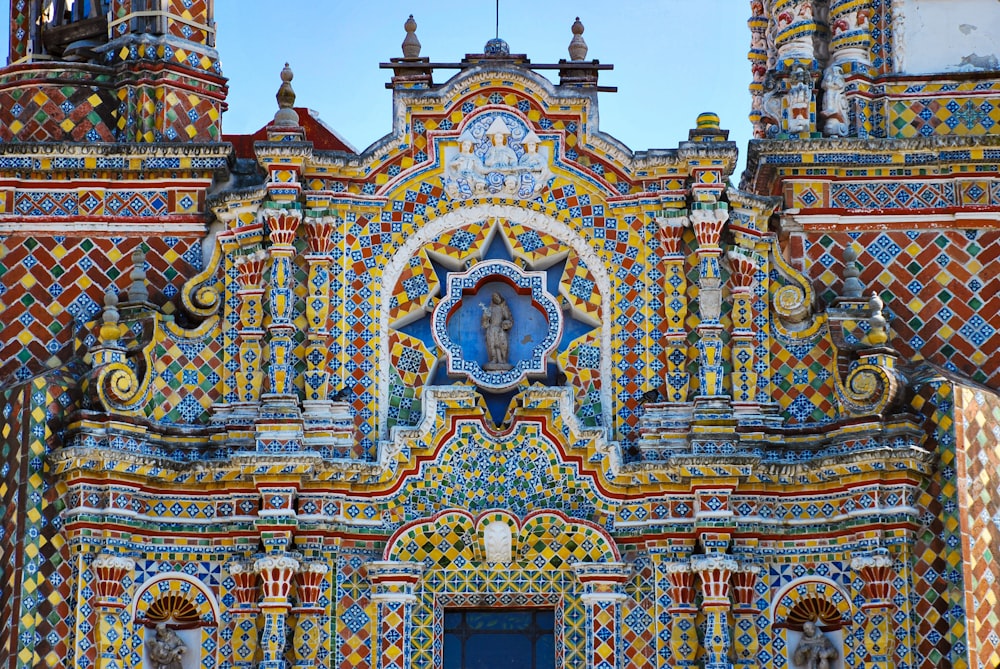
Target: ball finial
{"x": 411, "y": 45}
{"x": 577, "y": 45}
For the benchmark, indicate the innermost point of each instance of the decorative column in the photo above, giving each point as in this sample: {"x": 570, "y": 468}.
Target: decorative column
{"x": 672, "y": 224}
{"x": 715, "y": 572}
{"x": 683, "y": 615}
{"x": 308, "y": 585}
{"x": 745, "y": 616}
{"x": 110, "y": 572}
{"x": 851, "y": 37}
{"x": 394, "y": 592}
{"x": 276, "y": 573}
{"x": 707, "y": 219}
{"x": 794, "y": 29}
{"x": 743, "y": 378}
{"x": 758, "y": 63}
{"x": 282, "y": 225}
{"x": 320, "y": 229}
{"x": 877, "y": 573}
{"x": 244, "y": 613}
{"x": 603, "y": 592}
{"x": 250, "y": 331}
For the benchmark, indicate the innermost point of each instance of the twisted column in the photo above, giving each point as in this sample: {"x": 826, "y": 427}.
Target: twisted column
{"x": 683, "y": 615}
{"x": 282, "y": 225}
{"x": 110, "y": 572}
{"x": 745, "y": 613}
{"x": 675, "y": 303}
{"x": 244, "y": 613}
{"x": 707, "y": 219}
{"x": 394, "y": 591}
{"x": 877, "y": 573}
{"x": 250, "y": 331}
{"x": 603, "y": 592}
{"x": 715, "y": 572}
{"x": 276, "y": 573}
{"x": 743, "y": 378}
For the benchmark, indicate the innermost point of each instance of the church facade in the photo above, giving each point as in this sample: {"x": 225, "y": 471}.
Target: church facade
{"x": 500, "y": 389}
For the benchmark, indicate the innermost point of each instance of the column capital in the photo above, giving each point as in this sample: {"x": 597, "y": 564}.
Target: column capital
{"x": 715, "y": 572}
{"x": 244, "y": 575}
{"x": 876, "y": 570}
{"x": 394, "y": 581}
{"x": 309, "y": 581}
{"x": 276, "y": 573}
{"x": 602, "y": 580}
{"x": 110, "y": 571}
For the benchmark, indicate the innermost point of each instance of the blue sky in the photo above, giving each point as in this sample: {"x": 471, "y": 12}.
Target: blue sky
{"x": 673, "y": 58}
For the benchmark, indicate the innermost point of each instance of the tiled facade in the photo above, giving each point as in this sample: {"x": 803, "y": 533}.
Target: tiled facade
{"x": 249, "y": 390}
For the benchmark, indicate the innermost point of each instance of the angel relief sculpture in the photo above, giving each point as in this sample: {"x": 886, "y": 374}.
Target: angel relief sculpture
{"x": 498, "y": 170}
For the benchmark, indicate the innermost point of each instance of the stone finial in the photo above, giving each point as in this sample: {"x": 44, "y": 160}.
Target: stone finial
{"x": 138, "y": 290}
{"x": 577, "y": 45}
{"x": 411, "y": 45}
{"x": 286, "y": 116}
{"x": 853, "y": 288}
{"x": 877, "y": 333}
{"x": 110, "y": 330}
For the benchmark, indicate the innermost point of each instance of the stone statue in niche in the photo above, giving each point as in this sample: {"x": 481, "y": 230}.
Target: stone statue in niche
{"x": 166, "y": 649}
{"x": 497, "y": 541}
{"x": 496, "y": 323}
{"x": 814, "y": 651}
{"x": 834, "y": 102}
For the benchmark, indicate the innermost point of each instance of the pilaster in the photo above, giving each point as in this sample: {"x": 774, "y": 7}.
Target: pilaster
{"x": 745, "y": 645}
{"x": 683, "y": 615}
{"x": 110, "y": 572}
{"x": 743, "y": 378}
{"x": 715, "y": 572}
{"x": 308, "y": 585}
{"x": 876, "y": 571}
{"x": 244, "y": 613}
{"x": 708, "y": 219}
{"x": 276, "y": 573}
{"x": 394, "y": 592}
{"x": 603, "y": 591}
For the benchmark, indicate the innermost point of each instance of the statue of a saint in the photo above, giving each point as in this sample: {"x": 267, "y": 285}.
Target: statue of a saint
{"x": 166, "y": 649}
{"x": 496, "y": 322}
{"x": 814, "y": 651}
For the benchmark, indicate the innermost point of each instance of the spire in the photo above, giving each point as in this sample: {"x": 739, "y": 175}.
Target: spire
{"x": 411, "y": 45}
{"x": 286, "y": 116}
{"x": 577, "y": 45}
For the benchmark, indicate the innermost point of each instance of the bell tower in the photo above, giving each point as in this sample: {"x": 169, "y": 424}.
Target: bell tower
{"x": 112, "y": 71}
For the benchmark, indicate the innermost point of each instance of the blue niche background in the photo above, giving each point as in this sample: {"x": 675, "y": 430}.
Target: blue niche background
{"x": 465, "y": 324}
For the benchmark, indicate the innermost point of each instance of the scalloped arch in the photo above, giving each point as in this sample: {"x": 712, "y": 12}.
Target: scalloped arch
{"x": 176, "y": 593}
{"x": 811, "y": 596}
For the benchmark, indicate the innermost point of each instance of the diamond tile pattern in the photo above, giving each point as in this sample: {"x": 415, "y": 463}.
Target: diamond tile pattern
{"x": 51, "y": 311}
{"x": 943, "y": 298}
